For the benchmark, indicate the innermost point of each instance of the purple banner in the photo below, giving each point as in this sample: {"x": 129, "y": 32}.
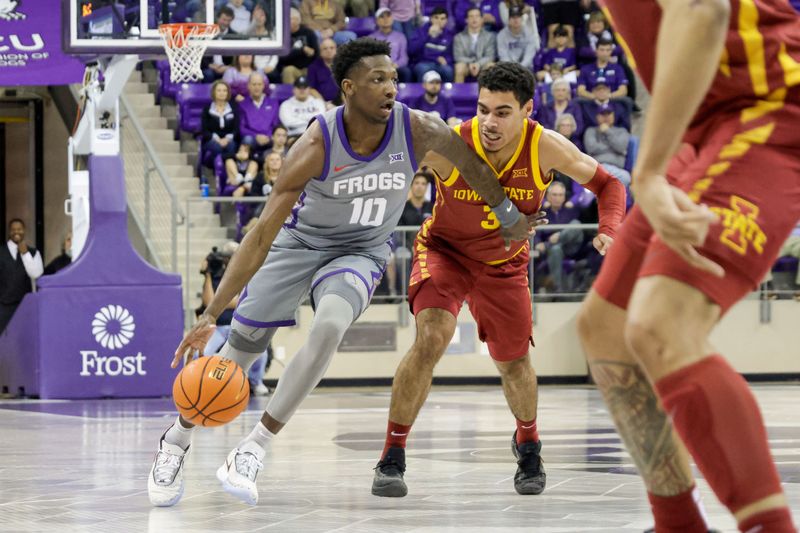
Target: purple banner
{"x": 30, "y": 45}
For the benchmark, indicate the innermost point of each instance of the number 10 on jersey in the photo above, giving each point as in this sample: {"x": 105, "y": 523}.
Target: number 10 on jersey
{"x": 368, "y": 212}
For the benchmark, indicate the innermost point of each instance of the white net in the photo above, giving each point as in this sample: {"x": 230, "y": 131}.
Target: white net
{"x": 185, "y": 45}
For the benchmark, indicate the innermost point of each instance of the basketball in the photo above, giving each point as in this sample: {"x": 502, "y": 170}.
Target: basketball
{"x": 211, "y": 391}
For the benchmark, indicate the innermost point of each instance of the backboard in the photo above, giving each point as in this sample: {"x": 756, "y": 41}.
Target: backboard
{"x": 106, "y": 27}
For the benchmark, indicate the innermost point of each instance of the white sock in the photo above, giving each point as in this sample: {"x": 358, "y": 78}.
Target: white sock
{"x": 239, "y": 179}
{"x": 260, "y": 435}
{"x": 248, "y": 178}
{"x": 179, "y": 435}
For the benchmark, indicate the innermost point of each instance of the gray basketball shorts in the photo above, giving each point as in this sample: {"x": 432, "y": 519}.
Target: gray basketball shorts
{"x": 293, "y": 270}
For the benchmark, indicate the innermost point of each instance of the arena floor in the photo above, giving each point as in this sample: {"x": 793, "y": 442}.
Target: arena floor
{"x": 82, "y": 466}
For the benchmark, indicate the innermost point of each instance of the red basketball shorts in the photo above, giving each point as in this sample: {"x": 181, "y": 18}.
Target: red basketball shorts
{"x": 498, "y": 296}
{"x": 746, "y": 176}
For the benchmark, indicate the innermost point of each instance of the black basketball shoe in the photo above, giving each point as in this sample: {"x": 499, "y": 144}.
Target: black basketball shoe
{"x": 388, "y": 481}
{"x": 530, "y": 477}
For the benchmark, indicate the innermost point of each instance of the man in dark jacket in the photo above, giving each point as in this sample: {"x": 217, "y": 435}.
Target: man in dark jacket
{"x": 20, "y": 264}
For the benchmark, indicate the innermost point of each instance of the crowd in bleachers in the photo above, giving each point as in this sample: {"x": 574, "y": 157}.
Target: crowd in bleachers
{"x": 250, "y": 107}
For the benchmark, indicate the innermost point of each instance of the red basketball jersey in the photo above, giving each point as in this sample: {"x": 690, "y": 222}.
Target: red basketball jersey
{"x": 463, "y": 222}
{"x": 758, "y": 69}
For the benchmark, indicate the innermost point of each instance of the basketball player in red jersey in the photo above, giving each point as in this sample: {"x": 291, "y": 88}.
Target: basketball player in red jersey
{"x": 724, "y": 78}
{"x": 458, "y": 255}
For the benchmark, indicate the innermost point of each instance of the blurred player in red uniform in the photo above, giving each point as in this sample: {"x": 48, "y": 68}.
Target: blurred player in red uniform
{"x": 710, "y": 218}
{"x": 459, "y": 255}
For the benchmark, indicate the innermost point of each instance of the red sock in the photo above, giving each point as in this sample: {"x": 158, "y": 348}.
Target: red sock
{"x": 396, "y": 435}
{"x": 774, "y": 521}
{"x": 718, "y": 419}
{"x": 681, "y": 513}
{"x": 526, "y": 431}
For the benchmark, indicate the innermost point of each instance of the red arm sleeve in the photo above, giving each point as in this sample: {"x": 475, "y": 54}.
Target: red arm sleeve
{"x": 611, "y": 200}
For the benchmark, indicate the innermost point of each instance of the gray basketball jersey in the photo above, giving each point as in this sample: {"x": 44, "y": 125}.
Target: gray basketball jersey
{"x": 357, "y": 201}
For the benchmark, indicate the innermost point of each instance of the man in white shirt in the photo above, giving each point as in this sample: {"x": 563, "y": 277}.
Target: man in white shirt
{"x": 296, "y": 112}
{"x": 20, "y": 264}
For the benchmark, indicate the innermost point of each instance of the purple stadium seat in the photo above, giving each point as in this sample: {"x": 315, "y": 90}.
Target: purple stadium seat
{"x": 406, "y": 92}
{"x": 464, "y": 96}
{"x": 280, "y": 91}
{"x": 785, "y": 264}
{"x": 192, "y": 100}
{"x": 165, "y": 87}
{"x": 362, "y": 26}
{"x": 633, "y": 151}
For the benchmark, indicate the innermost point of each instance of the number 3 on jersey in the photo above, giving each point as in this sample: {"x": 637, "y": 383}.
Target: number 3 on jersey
{"x": 369, "y": 212}
{"x": 490, "y": 222}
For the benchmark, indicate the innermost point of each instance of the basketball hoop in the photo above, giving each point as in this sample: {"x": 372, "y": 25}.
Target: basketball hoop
{"x": 185, "y": 44}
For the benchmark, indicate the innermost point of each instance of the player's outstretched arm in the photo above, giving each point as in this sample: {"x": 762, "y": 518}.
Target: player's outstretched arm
{"x": 303, "y": 162}
{"x": 691, "y": 38}
{"x": 431, "y": 134}
{"x": 558, "y": 153}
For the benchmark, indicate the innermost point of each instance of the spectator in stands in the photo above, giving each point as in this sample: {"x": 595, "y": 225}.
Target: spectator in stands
{"x": 790, "y": 248}
{"x": 260, "y": 28}
{"x": 225, "y": 17}
{"x": 240, "y": 171}
{"x": 397, "y": 41}
{"x": 528, "y": 16}
{"x": 304, "y": 50}
{"x": 406, "y": 14}
{"x": 20, "y": 265}
{"x": 238, "y": 77}
{"x": 62, "y": 260}
{"x": 561, "y": 103}
{"x": 258, "y": 115}
{"x": 597, "y": 30}
{"x": 475, "y": 48}
{"x": 360, "y": 8}
{"x": 326, "y": 17}
{"x": 215, "y": 66}
{"x": 297, "y": 111}
{"x": 612, "y": 73}
{"x": 213, "y": 268}
{"x": 601, "y": 96}
{"x": 432, "y": 101}
{"x": 560, "y": 54}
{"x": 608, "y": 144}
{"x": 558, "y": 245}
{"x": 567, "y": 125}
{"x": 516, "y": 42}
{"x": 565, "y": 13}
{"x": 220, "y": 123}
{"x": 259, "y": 23}
{"x": 417, "y": 208}
{"x": 490, "y": 15}
{"x": 260, "y": 187}
{"x": 320, "y": 76}
{"x": 433, "y": 46}
{"x": 241, "y": 16}
{"x": 280, "y": 138}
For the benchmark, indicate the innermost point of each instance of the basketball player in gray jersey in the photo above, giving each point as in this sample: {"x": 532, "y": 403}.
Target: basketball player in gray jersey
{"x": 326, "y": 228}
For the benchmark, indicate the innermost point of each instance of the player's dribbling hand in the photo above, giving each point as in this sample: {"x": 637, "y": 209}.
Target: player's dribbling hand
{"x": 195, "y": 340}
{"x": 677, "y": 220}
{"x": 602, "y": 243}
{"x": 520, "y": 231}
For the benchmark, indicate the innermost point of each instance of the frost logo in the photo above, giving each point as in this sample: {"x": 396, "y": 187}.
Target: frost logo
{"x": 112, "y": 326}
{"x": 8, "y": 10}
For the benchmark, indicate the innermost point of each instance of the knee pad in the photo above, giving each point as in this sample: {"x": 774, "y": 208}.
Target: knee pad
{"x": 346, "y": 285}
{"x": 248, "y": 338}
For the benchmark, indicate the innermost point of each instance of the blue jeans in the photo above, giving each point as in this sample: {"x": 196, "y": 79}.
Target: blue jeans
{"x": 256, "y": 370}
{"x": 213, "y": 149}
{"x": 340, "y": 37}
{"x": 620, "y": 173}
{"x": 407, "y": 28}
{"x": 445, "y": 71}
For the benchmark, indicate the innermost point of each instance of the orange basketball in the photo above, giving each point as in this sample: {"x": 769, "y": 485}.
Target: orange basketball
{"x": 211, "y": 391}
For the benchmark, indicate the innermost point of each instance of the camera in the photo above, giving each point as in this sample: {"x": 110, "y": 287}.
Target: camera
{"x": 216, "y": 262}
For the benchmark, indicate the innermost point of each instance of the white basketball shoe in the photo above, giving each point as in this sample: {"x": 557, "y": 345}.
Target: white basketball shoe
{"x": 165, "y": 483}
{"x": 238, "y": 473}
